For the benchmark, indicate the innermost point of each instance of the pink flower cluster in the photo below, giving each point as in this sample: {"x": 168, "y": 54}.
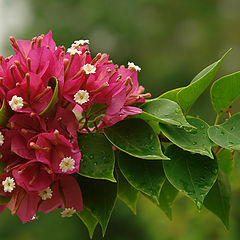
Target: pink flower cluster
{"x": 47, "y": 97}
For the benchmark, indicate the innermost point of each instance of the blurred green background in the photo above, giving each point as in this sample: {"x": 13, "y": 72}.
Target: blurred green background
{"x": 171, "y": 41}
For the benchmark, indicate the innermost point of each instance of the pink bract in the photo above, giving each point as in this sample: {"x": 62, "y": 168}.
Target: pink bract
{"x": 44, "y": 119}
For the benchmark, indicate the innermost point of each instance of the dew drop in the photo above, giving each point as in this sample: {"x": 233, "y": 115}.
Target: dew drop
{"x": 194, "y": 143}
{"x": 178, "y": 110}
{"x": 198, "y": 204}
{"x": 91, "y": 156}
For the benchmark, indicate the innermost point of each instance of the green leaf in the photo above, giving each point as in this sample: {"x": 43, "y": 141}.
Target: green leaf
{"x": 126, "y": 192}
{"x": 225, "y": 161}
{"x": 218, "y": 199}
{"x": 135, "y": 137}
{"x": 99, "y": 196}
{"x": 227, "y": 135}
{"x": 167, "y": 197}
{"x": 4, "y": 200}
{"x": 154, "y": 125}
{"x": 195, "y": 140}
{"x": 225, "y": 91}
{"x": 144, "y": 175}
{"x": 164, "y": 111}
{"x": 2, "y": 166}
{"x": 97, "y": 156}
{"x": 192, "y": 174}
{"x": 53, "y": 82}
{"x": 4, "y": 114}
{"x": 89, "y": 220}
{"x": 189, "y": 94}
{"x": 171, "y": 95}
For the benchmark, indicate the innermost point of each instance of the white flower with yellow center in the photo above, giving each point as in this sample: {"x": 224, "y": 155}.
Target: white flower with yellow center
{"x": 88, "y": 68}
{"x": 68, "y": 212}
{"x": 74, "y": 51}
{"x": 16, "y": 103}
{"x": 67, "y": 164}
{"x": 1, "y": 139}
{"x": 82, "y": 96}
{"x": 8, "y": 184}
{"x": 80, "y": 43}
{"x": 132, "y": 66}
{"x": 46, "y": 193}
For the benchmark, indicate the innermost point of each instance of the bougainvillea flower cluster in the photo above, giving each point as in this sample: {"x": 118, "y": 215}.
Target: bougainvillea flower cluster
{"x": 49, "y": 95}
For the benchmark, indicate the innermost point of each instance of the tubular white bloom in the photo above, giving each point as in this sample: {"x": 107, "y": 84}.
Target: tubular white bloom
{"x": 132, "y": 66}
{"x": 1, "y": 139}
{"x": 8, "y": 184}
{"x": 73, "y": 51}
{"x": 82, "y": 96}
{"x": 88, "y": 68}
{"x": 68, "y": 212}
{"x": 46, "y": 193}
{"x": 67, "y": 164}
{"x": 80, "y": 43}
{"x": 16, "y": 103}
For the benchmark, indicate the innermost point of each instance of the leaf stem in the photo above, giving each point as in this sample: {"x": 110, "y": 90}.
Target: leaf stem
{"x": 218, "y": 119}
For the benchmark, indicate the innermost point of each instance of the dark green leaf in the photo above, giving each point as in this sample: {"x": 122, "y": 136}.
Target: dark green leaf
{"x": 135, "y": 137}
{"x": 189, "y": 94}
{"x": 89, "y": 220}
{"x": 4, "y": 114}
{"x": 4, "y": 200}
{"x": 53, "y": 82}
{"x": 164, "y": 111}
{"x": 99, "y": 196}
{"x": 126, "y": 192}
{"x": 225, "y": 91}
{"x": 192, "y": 174}
{"x": 227, "y": 135}
{"x": 167, "y": 197}
{"x": 2, "y": 166}
{"x": 144, "y": 175}
{"x": 195, "y": 140}
{"x": 97, "y": 156}
{"x": 218, "y": 199}
{"x": 154, "y": 125}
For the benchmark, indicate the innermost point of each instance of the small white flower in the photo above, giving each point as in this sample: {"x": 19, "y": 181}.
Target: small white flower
{"x": 88, "y": 68}
{"x": 16, "y": 103}
{"x": 80, "y": 43}
{"x": 8, "y": 184}
{"x": 46, "y": 193}
{"x": 1, "y": 139}
{"x": 68, "y": 212}
{"x": 132, "y": 66}
{"x": 82, "y": 96}
{"x": 67, "y": 164}
{"x": 73, "y": 51}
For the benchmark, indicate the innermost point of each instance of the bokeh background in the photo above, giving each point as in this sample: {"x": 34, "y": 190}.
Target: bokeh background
{"x": 171, "y": 41}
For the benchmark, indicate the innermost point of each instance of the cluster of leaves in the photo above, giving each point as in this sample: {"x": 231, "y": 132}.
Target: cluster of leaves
{"x": 162, "y": 152}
